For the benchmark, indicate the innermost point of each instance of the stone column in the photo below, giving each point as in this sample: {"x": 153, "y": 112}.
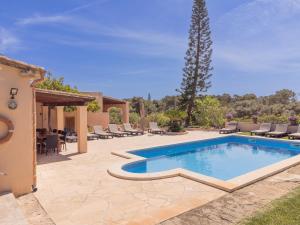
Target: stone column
{"x": 45, "y": 117}
{"x": 81, "y": 121}
{"x": 60, "y": 125}
{"x": 125, "y": 111}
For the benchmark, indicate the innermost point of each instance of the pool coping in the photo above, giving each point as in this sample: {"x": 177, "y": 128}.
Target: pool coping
{"x": 228, "y": 186}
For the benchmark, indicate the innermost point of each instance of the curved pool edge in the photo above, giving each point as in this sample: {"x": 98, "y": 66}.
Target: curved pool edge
{"x": 228, "y": 186}
{"x": 118, "y": 172}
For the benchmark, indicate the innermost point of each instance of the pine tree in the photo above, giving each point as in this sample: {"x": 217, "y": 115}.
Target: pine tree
{"x": 197, "y": 70}
{"x": 149, "y": 97}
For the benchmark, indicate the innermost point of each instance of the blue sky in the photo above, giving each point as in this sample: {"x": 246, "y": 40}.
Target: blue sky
{"x": 129, "y": 48}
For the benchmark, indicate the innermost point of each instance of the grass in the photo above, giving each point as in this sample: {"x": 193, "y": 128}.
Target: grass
{"x": 284, "y": 211}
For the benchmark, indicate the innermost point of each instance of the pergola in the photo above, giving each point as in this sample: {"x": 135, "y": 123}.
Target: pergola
{"x": 59, "y": 99}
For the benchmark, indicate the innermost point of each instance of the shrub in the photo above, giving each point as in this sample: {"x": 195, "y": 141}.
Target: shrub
{"x": 176, "y": 119}
{"x": 273, "y": 119}
{"x": 115, "y": 115}
{"x": 160, "y": 118}
{"x": 93, "y": 106}
{"x": 134, "y": 118}
{"x": 208, "y": 113}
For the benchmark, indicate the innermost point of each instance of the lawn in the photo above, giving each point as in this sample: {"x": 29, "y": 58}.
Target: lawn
{"x": 284, "y": 211}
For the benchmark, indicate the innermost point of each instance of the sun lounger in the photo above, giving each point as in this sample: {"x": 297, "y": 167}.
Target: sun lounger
{"x": 91, "y": 136}
{"x": 295, "y": 135}
{"x": 154, "y": 129}
{"x": 98, "y": 130}
{"x": 128, "y": 129}
{"x": 230, "y": 127}
{"x": 280, "y": 131}
{"x": 263, "y": 129}
{"x": 113, "y": 129}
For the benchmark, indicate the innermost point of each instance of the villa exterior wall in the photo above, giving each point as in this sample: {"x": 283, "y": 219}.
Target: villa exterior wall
{"x": 93, "y": 118}
{"x": 17, "y": 156}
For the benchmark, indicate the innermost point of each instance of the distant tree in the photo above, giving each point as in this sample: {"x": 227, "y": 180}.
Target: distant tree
{"x": 197, "y": 70}
{"x": 149, "y": 97}
{"x": 58, "y": 84}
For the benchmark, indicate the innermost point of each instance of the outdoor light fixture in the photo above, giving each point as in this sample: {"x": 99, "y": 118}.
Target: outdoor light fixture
{"x": 12, "y": 104}
{"x": 13, "y": 92}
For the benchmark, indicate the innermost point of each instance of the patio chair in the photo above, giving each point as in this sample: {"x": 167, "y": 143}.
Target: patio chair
{"x": 280, "y": 131}
{"x": 62, "y": 135}
{"x": 128, "y": 129}
{"x": 113, "y": 129}
{"x": 51, "y": 143}
{"x": 295, "y": 135}
{"x": 98, "y": 130}
{"x": 154, "y": 129}
{"x": 230, "y": 127}
{"x": 263, "y": 129}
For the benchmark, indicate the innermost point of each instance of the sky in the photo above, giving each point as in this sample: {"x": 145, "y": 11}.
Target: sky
{"x": 127, "y": 48}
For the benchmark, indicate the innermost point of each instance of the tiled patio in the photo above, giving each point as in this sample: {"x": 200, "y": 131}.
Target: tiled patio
{"x": 75, "y": 189}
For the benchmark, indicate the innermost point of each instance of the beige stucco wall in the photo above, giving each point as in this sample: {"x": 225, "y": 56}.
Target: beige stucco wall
{"x": 17, "y": 156}
{"x": 98, "y": 118}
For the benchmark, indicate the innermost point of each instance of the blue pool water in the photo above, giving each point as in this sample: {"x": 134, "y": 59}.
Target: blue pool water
{"x": 223, "y": 158}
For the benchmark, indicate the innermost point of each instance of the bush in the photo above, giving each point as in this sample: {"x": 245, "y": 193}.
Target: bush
{"x": 134, "y": 118}
{"x": 176, "y": 119}
{"x": 208, "y": 113}
{"x": 115, "y": 115}
{"x": 93, "y": 106}
{"x": 160, "y": 118}
{"x": 273, "y": 119}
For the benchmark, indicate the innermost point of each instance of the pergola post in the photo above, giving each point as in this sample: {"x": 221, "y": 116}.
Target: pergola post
{"x": 125, "y": 111}
{"x": 81, "y": 117}
{"x": 60, "y": 118}
{"x": 45, "y": 117}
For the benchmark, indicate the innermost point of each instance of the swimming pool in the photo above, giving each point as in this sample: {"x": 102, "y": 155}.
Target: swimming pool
{"x": 221, "y": 158}
{"x": 228, "y": 163}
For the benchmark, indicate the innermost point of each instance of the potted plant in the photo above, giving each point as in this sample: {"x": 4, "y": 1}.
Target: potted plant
{"x": 176, "y": 120}
{"x": 229, "y": 117}
{"x": 293, "y": 119}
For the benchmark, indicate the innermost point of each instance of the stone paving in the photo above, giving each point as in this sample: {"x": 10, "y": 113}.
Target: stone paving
{"x": 32, "y": 210}
{"x": 75, "y": 189}
{"x": 232, "y": 208}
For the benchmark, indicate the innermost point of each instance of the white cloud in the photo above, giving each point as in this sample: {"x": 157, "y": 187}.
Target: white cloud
{"x": 8, "y": 41}
{"x": 38, "y": 19}
{"x": 261, "y": 36}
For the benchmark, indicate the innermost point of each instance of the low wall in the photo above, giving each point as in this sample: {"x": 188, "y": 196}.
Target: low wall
{"x": 248, "y": 126}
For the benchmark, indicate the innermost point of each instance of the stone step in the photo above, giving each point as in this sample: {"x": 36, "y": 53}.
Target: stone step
{"x": 10, "y": 212}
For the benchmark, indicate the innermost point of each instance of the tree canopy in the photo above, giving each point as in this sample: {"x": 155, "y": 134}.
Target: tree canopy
{"x": 58, "y": 84}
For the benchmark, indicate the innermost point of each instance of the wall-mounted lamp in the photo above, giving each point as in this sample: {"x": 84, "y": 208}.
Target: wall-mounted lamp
{"x": 13, "y": 92}
{"x": 12, "y": 104}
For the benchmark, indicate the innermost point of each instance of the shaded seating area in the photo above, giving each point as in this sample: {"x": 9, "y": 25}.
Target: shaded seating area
{"x": 230, "y": 127}
{"x": 128, "y": 129}
{"x": 263, "y": 129}
{"x": 281, "y": 130}
{"x": 50, "y": 99}
{"x": 99, "y": 131}
{"x": 114, "y": 130}
{"x": 296, "y": 135}
{"x": 154, "y": 128}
